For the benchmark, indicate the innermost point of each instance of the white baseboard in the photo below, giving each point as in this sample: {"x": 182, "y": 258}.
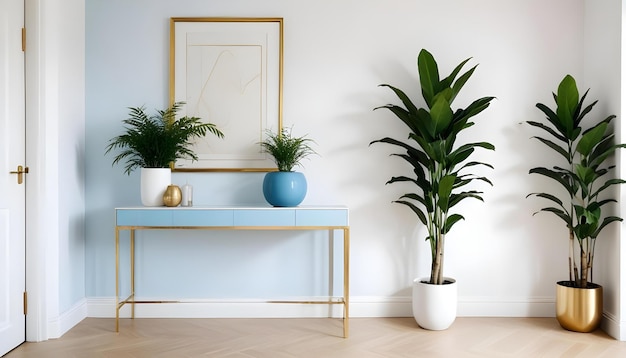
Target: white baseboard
{"x": 467, "y": 307}
{"x": 359, "y": 307}
{"x": 362, "y": 306}
{"x": 57, "y": 326}
{"x": 506, "y": 307}
{"x": 202, "y": 308}
{"x": 611, "y": 325}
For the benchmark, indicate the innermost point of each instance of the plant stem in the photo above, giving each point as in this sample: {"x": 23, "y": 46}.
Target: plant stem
{"x": 592, "y": 253}
{"x": 573, "y": 272}
{"x": 584, "y": 268}
{"x": 440, "y": 257}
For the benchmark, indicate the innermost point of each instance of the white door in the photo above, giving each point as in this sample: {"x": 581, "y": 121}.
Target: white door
{"x": 12, "y": 193}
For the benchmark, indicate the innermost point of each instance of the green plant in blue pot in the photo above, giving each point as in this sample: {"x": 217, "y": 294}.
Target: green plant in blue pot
{"x": 285, "y": 187}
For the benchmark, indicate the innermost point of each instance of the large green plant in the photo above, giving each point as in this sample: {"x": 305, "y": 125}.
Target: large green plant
{"x": 439, "y": 163}
{"x": 157, "y": 141}
{"x": 583, "y": 173}
{"x": 286, "y": 149}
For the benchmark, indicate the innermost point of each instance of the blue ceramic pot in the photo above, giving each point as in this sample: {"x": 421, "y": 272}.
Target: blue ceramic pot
{"x": 284, "y": 188}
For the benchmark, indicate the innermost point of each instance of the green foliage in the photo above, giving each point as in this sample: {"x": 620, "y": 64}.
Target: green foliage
{"x": 157, "y": 141}
{"x": 583, "y": 173}
{"x": 438, "y": 162}
{"x": 286, "y": 150}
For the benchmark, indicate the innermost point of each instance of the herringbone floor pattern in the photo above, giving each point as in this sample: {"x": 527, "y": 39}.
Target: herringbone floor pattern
{"x": 278, "y": 338}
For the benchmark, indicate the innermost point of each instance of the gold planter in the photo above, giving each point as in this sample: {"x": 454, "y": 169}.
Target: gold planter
{"x": 173, "y": 196}
{"x": 578, "y": 309}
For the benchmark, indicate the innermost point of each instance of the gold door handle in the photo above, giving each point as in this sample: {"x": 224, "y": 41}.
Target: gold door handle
{"x": 20, "y": 170}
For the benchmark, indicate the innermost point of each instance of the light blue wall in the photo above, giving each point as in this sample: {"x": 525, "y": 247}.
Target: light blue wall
{"x": 337, "y": 52}
{"x": 127, "y": 65}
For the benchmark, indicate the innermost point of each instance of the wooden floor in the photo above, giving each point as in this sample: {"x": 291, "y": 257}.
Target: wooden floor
{"x": 277, "y": 338}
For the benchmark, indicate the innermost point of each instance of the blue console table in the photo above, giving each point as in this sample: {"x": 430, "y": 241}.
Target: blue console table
{"x": 230, "y": 218}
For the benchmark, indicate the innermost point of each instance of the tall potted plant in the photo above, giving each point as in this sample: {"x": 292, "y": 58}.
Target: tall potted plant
{"x": 583, "y": 174}
{"x": 285, "y": 187}
{"x": 440, "y": 174}
{"x": 153, "y": 143}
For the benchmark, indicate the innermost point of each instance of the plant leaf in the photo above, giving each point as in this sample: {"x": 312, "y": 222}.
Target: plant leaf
{"x": 429, "y": 75}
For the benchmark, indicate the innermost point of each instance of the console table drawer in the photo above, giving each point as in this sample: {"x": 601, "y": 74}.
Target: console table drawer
{"x": 183, "y": 217}
{"x": 261, "y": 217}
{"x": 143, "y": 217}
{"x": 322, "y": 217}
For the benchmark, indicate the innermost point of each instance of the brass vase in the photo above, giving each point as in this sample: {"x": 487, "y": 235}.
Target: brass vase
{"x": 172, "y": 196}
{"x": 578, "y": 309}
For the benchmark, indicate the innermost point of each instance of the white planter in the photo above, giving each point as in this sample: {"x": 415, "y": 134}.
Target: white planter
{"x": 154, "y": 181}
{"x": 434, "y": 306}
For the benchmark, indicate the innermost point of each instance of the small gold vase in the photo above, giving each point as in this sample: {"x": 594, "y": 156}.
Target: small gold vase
{"x": 578, "y": 309}
{"x": 172, "y": 196}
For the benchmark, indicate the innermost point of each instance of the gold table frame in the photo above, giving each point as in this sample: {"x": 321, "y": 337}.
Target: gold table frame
{"x": 344, "y": 300}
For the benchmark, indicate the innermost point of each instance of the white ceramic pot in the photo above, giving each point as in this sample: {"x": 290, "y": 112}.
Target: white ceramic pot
{"x": 434, "y": 306}
{"x": 154, "y": 182}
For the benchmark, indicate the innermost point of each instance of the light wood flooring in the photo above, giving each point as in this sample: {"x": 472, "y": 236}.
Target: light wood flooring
{"x": 277, "y": 338}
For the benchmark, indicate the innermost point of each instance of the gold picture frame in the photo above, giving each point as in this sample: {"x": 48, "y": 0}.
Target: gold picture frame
{"x": 229, "y": 72}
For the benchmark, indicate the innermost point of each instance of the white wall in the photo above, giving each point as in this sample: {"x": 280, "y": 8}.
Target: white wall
{"x": 336, "y": 53}
{"x": 71, "y": 149}
{"x": 603, "y": 73}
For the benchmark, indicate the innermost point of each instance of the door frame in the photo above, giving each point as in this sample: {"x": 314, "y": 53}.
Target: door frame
{"x": 40, "y": 233}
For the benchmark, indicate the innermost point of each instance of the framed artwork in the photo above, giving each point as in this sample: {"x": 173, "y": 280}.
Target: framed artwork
{"x": 228, "y": 71}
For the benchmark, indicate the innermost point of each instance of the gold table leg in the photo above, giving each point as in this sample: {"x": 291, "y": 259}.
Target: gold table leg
{"x": 132, "y": 273}
{"x": 119, "y": 303}
{"x": 346, "y": 282}
{"x": 117, "y": 280}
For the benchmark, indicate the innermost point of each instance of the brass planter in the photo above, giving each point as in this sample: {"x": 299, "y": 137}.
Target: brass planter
{"x": 578, "y": 309}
